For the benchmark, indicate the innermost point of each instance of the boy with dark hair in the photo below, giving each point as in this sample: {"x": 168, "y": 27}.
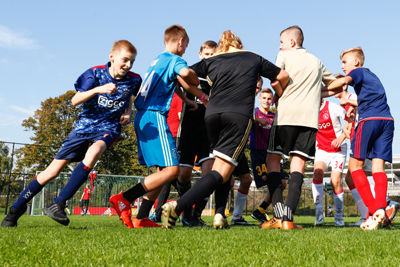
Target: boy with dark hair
{"x": 105, "y": 93}
{"x": 373, "y": 136}
{"x": 156, "y": 146}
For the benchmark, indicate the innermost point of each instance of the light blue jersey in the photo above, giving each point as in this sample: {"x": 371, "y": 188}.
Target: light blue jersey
{"x": 159, "y": 83}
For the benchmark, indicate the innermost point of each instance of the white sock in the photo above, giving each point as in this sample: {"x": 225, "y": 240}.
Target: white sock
{"x": 338, "y": 200}
{"x": 360, "y": 204}
{"x": 318, "y": 194}
{"x": 239, "y": 205}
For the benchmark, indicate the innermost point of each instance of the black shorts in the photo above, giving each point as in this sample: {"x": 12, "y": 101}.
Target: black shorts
{"x": 242, "y": 167}
{"x": 228, "y": 133}
{"x": 288, "y": 140}
{"x": 193, "y": 141}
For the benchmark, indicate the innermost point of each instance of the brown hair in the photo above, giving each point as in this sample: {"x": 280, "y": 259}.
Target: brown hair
{"x": 174, "y": 32}
{"x": 267, "y": 90}
{"x": 357, "y": 53}
{"x": 208, "y": 44}
{"x": 297, "y": 34}
{"x": 228, "y": 38}
{"x": 123, "y": 44}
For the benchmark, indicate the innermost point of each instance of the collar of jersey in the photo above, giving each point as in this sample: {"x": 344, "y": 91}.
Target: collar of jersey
{"x": 230, "y": 50}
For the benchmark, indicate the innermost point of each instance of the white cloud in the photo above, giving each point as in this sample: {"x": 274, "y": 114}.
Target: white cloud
{"x": 23, "y": 110}
{"x": 13, "y": 39}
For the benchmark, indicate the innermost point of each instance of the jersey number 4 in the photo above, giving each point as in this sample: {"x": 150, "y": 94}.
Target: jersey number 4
{"x": 144, "y": 89}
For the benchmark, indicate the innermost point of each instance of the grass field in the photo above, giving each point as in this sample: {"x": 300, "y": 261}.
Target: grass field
{"x": 98, "y": 240}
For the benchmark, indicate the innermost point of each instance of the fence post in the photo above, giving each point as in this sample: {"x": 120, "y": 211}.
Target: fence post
{"x": 9, "y": 179}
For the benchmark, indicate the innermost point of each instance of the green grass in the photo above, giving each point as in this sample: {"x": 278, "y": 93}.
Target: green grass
{"x": 98, "y": 240}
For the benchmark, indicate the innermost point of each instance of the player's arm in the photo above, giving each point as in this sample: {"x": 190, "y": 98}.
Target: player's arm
{"x": 347, "y": 129}
{"x": 280, "y": 83}
{"x": 339, "y": 83}
{"x": 346, "y": 101}
{"x": 328, "y": 93}
{"x": 126, "y": 117}
{"x": 184, "y": 98}
{"x": 83, "y": 96}
{"x": 338, "y": 141}
{"x": 194, "y": 90}
{"x": 189, "y": 76}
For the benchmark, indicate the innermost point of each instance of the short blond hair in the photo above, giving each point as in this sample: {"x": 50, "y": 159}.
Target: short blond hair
{"x": 208, "y": 44}
{"x": 357, "y": 52}
{"x": 174, "y": 32}
{"x": 228, "y": 38}
{"x": 124, "y": 44}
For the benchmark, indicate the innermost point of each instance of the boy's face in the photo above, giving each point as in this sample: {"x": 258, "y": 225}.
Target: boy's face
{"x": 121, "y": 62}
{"x": 265, "y": 100}
{"x": 207, "y": 52}
{"x": 286, "y": 42}
{"x": 349, "y": 62}
{"x": 182, "y": 45}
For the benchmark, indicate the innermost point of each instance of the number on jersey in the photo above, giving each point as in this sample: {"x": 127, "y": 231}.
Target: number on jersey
{"x": 144, "y": 88}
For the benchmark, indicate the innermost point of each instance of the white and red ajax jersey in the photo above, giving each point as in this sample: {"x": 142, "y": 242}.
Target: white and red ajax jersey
{"x": 329, "y": 127}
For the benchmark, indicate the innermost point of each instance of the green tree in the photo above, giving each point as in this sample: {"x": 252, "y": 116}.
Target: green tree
{"x": 5, "y": 165}
{"x": 52, "y": 123}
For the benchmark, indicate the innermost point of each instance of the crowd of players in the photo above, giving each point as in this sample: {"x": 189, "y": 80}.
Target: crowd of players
{"x": 216, "y": 122}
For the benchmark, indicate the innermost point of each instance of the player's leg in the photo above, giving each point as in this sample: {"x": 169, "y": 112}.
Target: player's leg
{"x": 318, "y": 187}
{"x": 19, "y": 207}
{"x": 161, "y": 200}
{"x": 362, "y": 209}
{"x": 337, "y": 162}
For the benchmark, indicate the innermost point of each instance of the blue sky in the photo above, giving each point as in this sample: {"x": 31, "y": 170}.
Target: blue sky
{"x": 46, "y": 45}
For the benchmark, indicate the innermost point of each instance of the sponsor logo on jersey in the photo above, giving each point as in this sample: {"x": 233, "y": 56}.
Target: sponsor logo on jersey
{"x": 109, "y": 103}
{"x": 324, "y": 125}
{"x": 121, "y": 205}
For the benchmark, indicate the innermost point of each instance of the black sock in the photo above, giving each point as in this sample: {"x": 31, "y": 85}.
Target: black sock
{"x": 162, "y": 198}
{"x": 145, "y": 208}
{"x": 201, "y": 189}
{"x": 199, "y": 207}
{"x": 221, "y": 197}
{"x": 295, "y": 183}
{"x": 135, "y": 192}
{"x": 274, "y": 187}
{"x": 265, "y": 205}
{"x": 182, "y": 189}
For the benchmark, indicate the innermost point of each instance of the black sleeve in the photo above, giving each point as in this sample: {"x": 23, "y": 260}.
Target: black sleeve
{"x": 200, "y": 68}
{"x": 268, "y": 69}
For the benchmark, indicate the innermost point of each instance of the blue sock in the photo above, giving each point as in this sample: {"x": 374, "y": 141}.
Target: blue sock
{"x": 30, "y": 191}
{"x": 78, "y": 177}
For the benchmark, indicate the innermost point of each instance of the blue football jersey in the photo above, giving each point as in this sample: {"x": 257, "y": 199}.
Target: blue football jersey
{"x": 102, "y": 112}
{"x": 159, "y": 83}
{"x": 371, "y": 94}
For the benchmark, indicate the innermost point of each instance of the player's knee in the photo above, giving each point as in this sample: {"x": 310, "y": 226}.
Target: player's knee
{"x": 245, "y": 180}
{"x": 318, "y": 175}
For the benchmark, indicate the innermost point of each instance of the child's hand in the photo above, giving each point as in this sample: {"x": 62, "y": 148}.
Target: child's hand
{"x": 108, "y": 88}
{"x": 125, "y": 119}
{"x": 336, "y": 143}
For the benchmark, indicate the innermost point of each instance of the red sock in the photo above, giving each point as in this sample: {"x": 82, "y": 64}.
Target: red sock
{"x": 380, "y": 179}
{"x": 364, "y": 189}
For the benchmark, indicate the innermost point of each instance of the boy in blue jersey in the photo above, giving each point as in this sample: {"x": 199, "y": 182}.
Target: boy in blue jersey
{"x": 156, "y": 146}
{"x": 373, "y": 136}
{"x": 105, "y": 93}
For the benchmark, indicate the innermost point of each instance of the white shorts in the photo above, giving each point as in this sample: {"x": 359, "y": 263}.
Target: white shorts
{"x": 334, "y": 159}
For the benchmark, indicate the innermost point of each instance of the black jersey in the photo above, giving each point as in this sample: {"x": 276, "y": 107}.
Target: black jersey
{"x": 233, "y": 79}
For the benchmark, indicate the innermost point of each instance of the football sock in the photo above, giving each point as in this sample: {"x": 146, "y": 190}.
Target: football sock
{"x": 278, "y": 210}
{"x": 199, "y": 207}
{"x": 294, "y": 192}
{"x": 360, "y": 203}
{"x": 135, "y": 192}
{"x": 239, "y": 205}
{"x": 78, "y": 177}
{"x": 162, "y": 198}
{"x": 380, "y": 179}
{"x": 221, "y": 197}
{"x": 364, "y": 189}
{"x": 27, "y": 194}
{"x": 182, "y": 189}
{"x": 201, "y": 189}
{"x": 287, "y": 214}
{"x": 145, "y": 208}
{"x": 338, "y": 200}
{"x": 318, "y": 193}
{"x": 264, "y": 206}
{"x": 274, "y": 184}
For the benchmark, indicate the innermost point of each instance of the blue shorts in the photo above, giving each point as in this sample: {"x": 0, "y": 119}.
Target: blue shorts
{"x": 259, "y": 166}
{"x": 373, "y": 138}
{"x": 74, "y": 147}
{"x": 156, "y": 146}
